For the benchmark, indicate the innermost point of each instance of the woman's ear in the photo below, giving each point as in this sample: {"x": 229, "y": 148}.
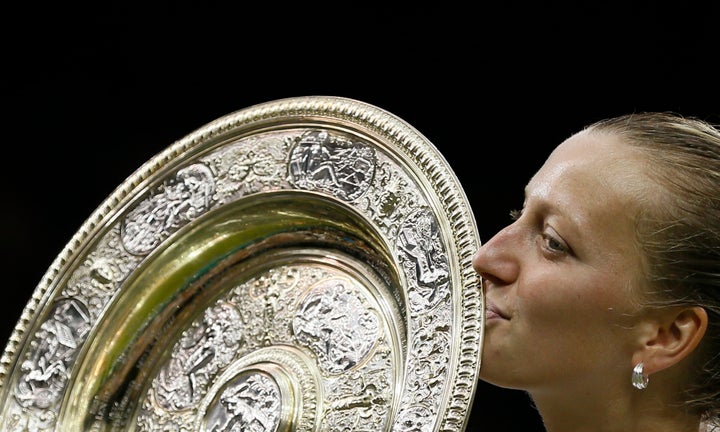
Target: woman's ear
{"x": 671, "y": 337}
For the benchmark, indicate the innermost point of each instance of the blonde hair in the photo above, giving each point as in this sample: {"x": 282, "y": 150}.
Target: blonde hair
{"x": 679, "y": 234}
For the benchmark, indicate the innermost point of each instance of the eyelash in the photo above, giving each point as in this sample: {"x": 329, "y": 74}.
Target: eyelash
{"x": 551, "y": 243}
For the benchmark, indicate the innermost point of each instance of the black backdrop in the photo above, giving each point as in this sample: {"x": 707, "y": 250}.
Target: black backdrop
{"x": 90, "y": 94}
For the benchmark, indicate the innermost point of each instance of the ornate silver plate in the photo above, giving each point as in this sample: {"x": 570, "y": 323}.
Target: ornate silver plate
{"x": 299, "y": 265}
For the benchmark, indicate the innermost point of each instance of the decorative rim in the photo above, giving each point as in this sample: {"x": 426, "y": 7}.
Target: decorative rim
{"x": 339, "y": 222}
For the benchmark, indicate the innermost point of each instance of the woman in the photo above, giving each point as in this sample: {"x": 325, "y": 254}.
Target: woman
{"x": 603, "y": 294}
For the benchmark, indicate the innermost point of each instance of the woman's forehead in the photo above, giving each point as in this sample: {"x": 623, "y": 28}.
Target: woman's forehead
{"x": 597, "y": 157}
{"x": 593, "y": 181}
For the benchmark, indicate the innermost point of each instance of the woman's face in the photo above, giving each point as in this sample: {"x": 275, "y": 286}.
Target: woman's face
{"x": 559, "y": 281}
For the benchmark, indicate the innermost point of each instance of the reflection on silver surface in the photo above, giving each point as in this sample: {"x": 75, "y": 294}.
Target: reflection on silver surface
{"x": 299, "y": 265}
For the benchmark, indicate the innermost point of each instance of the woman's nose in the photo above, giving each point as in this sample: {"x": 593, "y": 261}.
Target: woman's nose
{"x": 497, "y": 260}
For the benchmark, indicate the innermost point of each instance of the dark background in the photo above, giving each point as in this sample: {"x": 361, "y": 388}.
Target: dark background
{"x": 91, "y": 93}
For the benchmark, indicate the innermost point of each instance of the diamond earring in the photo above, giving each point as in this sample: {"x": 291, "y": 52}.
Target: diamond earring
{"x": 639, "y": 379}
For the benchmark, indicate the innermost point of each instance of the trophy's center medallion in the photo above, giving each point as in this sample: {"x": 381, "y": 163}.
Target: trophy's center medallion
{"x": 251, "y": 402}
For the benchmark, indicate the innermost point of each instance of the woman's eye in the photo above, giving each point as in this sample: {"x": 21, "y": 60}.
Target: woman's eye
{"x": 554, "y": 245}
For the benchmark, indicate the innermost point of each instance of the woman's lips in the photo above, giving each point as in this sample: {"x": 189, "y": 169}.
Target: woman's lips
{"x": 492, "y": 312}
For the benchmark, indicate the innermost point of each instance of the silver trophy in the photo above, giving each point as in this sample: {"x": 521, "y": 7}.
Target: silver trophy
{"x": 298, "y": 265}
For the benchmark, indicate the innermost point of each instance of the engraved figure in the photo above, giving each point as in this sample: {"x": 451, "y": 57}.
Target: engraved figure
{"x": 179, "y": 200}
{"x": 95, "y": 281}
{"x": 45, "y": 372}
{"x": 414, "y": 419}
{"x": 422, "y": 256}
{"x": 250, "y": 165}
{"x": 245, "y": 169}
{"x": 392, "y": 198}
{"x": 202, "y": 351}
{"x": 251, "y": 404}
{"x": 317, "y": 163}
{"x": 324, "y": 162}
{"x": 365, "y": 396}
{"x": 418, "y": 238}
{"x": 336, "y": 325}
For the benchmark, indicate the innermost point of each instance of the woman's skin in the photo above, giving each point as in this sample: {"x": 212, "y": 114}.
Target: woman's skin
{"x": 564, "y": 288}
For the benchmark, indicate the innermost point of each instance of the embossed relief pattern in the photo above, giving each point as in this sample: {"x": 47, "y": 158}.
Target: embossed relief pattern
{"x": 422, "y": 256}
{"x": 333, "y": 324}
{"x": 256, "y": 164}
{"x": 45, "y": 373}
{"x": 395, "y": 204}
{"x": 180, "y": 199}
{"x": 311, "y": 295}
{"x": 243, "y": 167}
{"x": 390, "y": 198}
{"x": 250, "y": 404}
{"x": 330, "y": 163}
{"x": 203, "y": 350}
{"x": 53, "y": 350}
{"x": 315, "y": 160}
